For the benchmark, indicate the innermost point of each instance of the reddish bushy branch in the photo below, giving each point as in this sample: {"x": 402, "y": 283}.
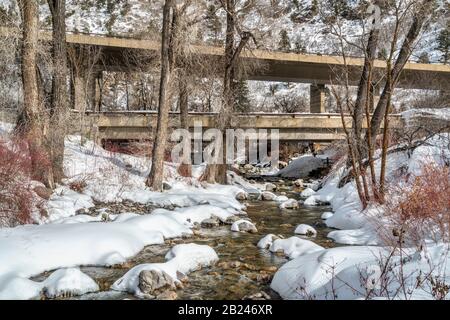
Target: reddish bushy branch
{"x": 421, "y": 207}
{"x": 17, "y": 200}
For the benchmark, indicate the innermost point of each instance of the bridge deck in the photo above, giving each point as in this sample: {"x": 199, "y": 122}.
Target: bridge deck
{"x": 275, "y": 66}
{"x": 292, "y": 127}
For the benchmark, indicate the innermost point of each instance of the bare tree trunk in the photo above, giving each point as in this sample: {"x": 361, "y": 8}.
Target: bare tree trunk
{"x": 218, "y": 172}
{"x": 155, "y": 178}
{"x": 185, "y": 168}
{"x": 363, "y": 89}
{"x": 32, "y": 119}
{"x": 403, "y": 56}
{"x": 59, "y": 101}
{"x": 31, "y": 113}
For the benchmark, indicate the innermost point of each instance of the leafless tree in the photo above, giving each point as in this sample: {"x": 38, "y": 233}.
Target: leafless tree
{"x": 59, "y": 98}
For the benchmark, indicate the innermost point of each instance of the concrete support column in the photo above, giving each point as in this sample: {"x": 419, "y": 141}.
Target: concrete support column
{"x": 317, "y": 98}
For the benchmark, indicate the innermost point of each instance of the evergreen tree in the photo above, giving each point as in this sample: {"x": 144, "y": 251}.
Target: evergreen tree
{"x": 314, "y": 8}
{"x": 444, "y": 44}
{"x": 242, "y": 100}
{"x": 213, "y": 23}
{"x": 285, "y": 43}
{"x": 424, "y": 58}
{"x": 299, "y": 46}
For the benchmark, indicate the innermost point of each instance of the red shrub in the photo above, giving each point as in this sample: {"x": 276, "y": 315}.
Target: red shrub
{"x": 16, "y": 171}
{"x": 422, "y": 209}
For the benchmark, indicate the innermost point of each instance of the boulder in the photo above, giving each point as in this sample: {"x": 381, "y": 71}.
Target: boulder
{"x": 241, "y": 196}
{"x": 306, "y": 230}
{"x": 153, "y": 282}
{"x": 210, "y": 223}
{"x": 289, "y": 204}
{"x": 268, "y": 196}
{"x": 232, "y": 219}
{"x": 244, "y": 226}
{"x": 271, "y": 187}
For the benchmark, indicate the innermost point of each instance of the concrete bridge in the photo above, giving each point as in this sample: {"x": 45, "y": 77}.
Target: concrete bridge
{"x": 317, "y": 70}
{"x": 295, "y": 127}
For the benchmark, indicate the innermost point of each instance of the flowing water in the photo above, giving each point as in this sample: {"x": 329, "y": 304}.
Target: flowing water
{"x": 242, "y": 270}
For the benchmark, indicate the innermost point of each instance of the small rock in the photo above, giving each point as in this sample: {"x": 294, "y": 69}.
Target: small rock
{"x": 289, "y": 204}
{"x": 268, "y": 196}
{"x": 243, "y": 226}
{"x": 257, "y": 296}
{"x": 232, "y": 219}
{"x": 229, "y": 265}
{"x": 43, "y": 192}
{"x": 167, "y": 295}
{"x": 282, "y": 164}
{"x": 241, "y": 196}
{"x": 270, "y": 269}
{"x": 286, "y": 225}
{"x": 307, "y": 230}
{"x": 182, "y": 277}
{"x": 82, "y": 211}
{"x": 166, "y": 186}
{"x": 298, "y": 183}
{"x": 271, "y": 187}
{"x": 248, "y": 167}
{"x": 210, "y": 223}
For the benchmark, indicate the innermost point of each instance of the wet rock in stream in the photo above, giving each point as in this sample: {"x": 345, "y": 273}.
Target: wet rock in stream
{"x": 154, "y": 283}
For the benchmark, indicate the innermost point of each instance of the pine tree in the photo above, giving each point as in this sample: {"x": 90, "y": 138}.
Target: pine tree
{"x": 285, "y": 43}
{"x": 444, "y": 44}
{"x": 424, "y": 58}
{"x": 213, "y": 23}
{"x": 314, "y": 8}
{"x": 242, "y": 100}
{"x": 299, "y": 46}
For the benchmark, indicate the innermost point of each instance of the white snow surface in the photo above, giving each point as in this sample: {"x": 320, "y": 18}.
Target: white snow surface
{"x": 294, "y": 247}
{"x": 355, "y": 273}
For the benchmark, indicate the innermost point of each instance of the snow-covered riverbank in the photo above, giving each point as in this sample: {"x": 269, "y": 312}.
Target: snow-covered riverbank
{"x": 360, "y": 272}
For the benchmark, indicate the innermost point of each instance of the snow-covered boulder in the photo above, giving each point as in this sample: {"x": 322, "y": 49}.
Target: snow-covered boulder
{"x": 270, "y": 187}
{"x": 181, "y": 259}
{"x": 307, "y": 193}
{"x": 68, "y": 281}
{"x": 289, "y": 204}
{"x": 326, "y": 215}
{"x": 268, "y": 196}
{"x": 302, "y": 167}
{"x": 294, "y": 247}
{"x": 311, "y": 201}
{"x": 267, "y": 241}
{"x": 306, "y": 230}
{"x": 243, "y": 226}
